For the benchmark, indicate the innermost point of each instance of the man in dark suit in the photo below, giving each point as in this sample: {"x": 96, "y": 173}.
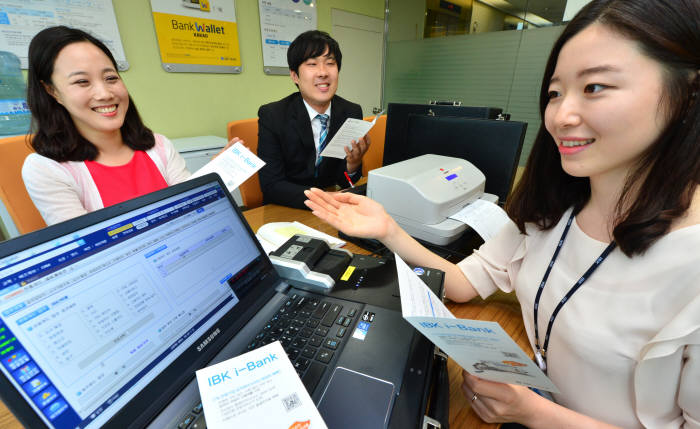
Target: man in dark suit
{"x": 293, "y": 131}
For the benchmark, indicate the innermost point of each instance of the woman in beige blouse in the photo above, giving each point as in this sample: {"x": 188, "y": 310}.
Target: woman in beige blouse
{"x": 609, "y": 202}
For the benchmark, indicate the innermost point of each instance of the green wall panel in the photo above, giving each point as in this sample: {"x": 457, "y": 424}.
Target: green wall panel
{"x": 191, "y": 104}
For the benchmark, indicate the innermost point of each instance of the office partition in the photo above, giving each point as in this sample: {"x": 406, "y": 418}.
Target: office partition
{"x": 499, "y": 68}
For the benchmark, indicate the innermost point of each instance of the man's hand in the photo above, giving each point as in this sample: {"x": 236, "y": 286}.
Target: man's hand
{"x": 228, "y": 145}
{"x": 354, "y": 154}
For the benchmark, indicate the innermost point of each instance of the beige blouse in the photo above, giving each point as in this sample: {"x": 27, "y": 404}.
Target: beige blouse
{"x": 625, "y": 349}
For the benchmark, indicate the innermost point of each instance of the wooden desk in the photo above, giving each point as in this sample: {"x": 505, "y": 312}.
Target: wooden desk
{"x": 500, "y": 308}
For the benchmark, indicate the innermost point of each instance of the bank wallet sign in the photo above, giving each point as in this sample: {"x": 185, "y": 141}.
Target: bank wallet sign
{"x": 197, "y": 32}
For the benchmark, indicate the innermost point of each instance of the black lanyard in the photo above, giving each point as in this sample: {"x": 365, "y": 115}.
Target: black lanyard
{"x": 540, "y": 352}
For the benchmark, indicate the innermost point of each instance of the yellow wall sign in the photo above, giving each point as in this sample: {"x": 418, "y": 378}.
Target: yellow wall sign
{"x": 197, "y": 35}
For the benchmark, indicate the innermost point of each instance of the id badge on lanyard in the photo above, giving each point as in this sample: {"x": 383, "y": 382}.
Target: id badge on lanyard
{"x": 541, "y": 352}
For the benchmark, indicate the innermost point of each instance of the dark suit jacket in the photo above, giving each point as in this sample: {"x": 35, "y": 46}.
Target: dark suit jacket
{"x": 286, "y": 144}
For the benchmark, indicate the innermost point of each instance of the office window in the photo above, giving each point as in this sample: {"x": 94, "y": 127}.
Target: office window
{"x": 459, "y": 17}
{"x": 478, "y": 52}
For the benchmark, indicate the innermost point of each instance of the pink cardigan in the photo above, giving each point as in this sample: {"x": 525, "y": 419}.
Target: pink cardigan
{"x": 64, "y": 190}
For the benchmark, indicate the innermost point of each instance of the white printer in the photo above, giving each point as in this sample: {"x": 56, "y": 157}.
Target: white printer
{"x": 422, "y": 192}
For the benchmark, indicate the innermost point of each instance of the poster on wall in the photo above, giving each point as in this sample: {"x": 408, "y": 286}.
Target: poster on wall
{"x": 281, "y": 21}
{"x": 197, "y": 35}
{"x": 20, "y": 20}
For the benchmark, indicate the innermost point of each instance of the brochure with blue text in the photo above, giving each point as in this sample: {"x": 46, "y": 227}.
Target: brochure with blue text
{"x": 258, "y": 389}
{"x": 482, "y": 348}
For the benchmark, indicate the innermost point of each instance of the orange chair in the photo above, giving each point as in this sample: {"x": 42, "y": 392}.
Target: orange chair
{"x": 375, "y": 153}
{"x": 247, "y": 130}
{"x": 14, "y": 196}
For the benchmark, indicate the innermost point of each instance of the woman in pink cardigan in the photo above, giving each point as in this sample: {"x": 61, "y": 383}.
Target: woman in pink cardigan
{"x": 92, "y": 149}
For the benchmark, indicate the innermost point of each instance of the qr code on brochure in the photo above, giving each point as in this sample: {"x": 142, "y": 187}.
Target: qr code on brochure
{"x": 291, "y": 402}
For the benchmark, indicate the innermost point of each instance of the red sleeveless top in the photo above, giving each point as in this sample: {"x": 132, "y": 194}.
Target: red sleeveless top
{"x": 124, "y": 182}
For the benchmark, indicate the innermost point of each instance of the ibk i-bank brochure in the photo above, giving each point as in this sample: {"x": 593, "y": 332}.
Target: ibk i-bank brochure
{"x": 235, "y": 165}
{"x": 482, "y": 348}
{"x": 258, "y": 389}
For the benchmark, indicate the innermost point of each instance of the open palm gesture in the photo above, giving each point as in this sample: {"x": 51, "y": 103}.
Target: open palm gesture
{"x": 353, "y": 214}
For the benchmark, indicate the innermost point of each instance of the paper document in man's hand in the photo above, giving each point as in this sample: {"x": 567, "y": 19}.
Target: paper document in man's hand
{"x": 482, "y": 348}
{"x": 352, "y": 129}
{"x": 235, "y": 165}
{"x": 258, "y": 389}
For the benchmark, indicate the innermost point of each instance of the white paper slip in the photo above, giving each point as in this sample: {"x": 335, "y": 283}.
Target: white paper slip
{"x": 258, "y": 389}
{"x": 416, "y": 298}
{"x": 267, "y": 246}
{"x": 352, "y": 129}
{"x": 484, "y": 349}
{"x": 485, "y": 217}
{"x": 274, "y": 234}
{"x": 235, "y": 165}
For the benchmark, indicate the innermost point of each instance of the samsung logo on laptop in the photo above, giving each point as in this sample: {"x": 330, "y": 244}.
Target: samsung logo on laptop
{"x": 208, "y": 340}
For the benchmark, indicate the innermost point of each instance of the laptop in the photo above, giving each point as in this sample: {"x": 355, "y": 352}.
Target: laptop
{"x": 105, "y": 318}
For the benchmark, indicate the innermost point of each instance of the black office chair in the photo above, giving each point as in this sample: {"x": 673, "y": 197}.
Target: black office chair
{"x": 493, "y": 146}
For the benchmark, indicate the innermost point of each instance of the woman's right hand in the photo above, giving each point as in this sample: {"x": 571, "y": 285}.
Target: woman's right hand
{"x": 362, "y": 217}
{"x": 353, "y": 214}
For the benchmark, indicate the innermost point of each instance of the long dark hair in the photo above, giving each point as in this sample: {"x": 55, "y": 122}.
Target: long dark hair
{"x": 668, "y": 173}
{"x": 55, "y": 134}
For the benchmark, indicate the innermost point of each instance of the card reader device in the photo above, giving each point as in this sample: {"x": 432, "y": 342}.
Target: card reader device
{"x": 422, "y": 192}
{"x": 310, "y": 263}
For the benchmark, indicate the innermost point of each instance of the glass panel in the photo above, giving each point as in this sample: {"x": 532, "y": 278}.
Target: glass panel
{"x": 444, "y": 18}
{"x": 462, "y": 50}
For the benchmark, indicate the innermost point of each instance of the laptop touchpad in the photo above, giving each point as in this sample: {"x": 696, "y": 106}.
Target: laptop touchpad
{"x": 354, "y": 400}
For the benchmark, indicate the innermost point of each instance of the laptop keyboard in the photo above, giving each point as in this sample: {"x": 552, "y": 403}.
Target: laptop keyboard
{"x": 312, "y": 331}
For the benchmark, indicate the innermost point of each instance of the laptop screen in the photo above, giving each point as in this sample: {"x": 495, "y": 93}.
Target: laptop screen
{"x": 88, "y": 319}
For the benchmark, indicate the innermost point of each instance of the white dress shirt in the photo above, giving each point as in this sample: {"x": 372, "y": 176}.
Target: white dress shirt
{"x": 316, "y": 124}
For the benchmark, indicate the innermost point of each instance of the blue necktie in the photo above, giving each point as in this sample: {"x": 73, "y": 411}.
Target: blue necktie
{"x": 322, "y": 138}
